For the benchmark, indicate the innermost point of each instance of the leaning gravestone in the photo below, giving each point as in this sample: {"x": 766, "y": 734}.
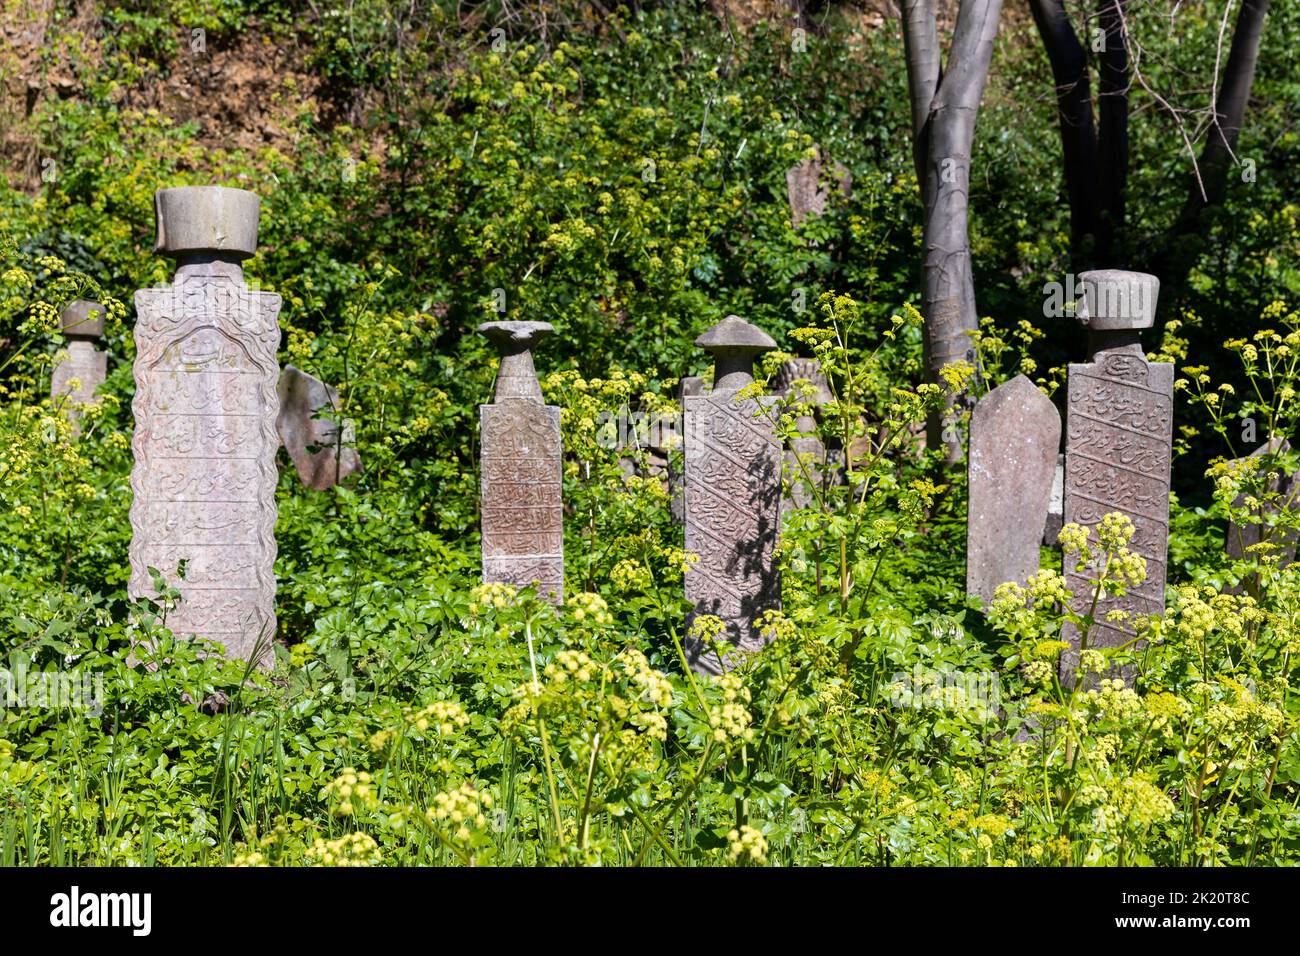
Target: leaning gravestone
{"x": 321, "y": 450}
{"x": 521, "y": 461}
{"x": 806, "y": 460}
{"x": 733, "y": 497}
{"x": 1241, "y": 538}
{"x": 1119, "y": 440}
{"x": 86, "y": 366}
{"x": 205, "y": 441}
{"x": 1015, "y": 432}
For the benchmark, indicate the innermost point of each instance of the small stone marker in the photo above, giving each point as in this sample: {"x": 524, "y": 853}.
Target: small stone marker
{"x": 82, "y": 322}
{"x": 1119, "y": 442}
{"x": 1015, "y": 434}
{"x": 321, "y": 450}
{"x": 205, "y": 407}
{"x": 1241, "y": 538}
{"x": 522, "y": 461}
{"x": 808, "y": 446}
{"x": 733, "y": 497}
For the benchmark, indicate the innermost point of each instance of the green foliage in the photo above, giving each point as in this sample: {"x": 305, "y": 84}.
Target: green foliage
{"x": 625, "y": 179}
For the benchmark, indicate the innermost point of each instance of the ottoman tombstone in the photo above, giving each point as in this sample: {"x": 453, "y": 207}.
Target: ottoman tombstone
{"x": 203, "y": 508}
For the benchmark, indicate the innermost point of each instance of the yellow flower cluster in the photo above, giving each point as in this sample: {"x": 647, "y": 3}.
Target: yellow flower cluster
{"x": 655, "y": 686}
{"x": 731, "y": 720}
{"x": 588, "y": 608}
{"x": 463, "y": 807}
{"x": 446, "y": 716}
{"x": 352, "y": 789}
{"x": 492, "y": 595}
{"x": 747, "y": 845}
{"x": 355, "y": 849}
{"x": 568, "y": 665}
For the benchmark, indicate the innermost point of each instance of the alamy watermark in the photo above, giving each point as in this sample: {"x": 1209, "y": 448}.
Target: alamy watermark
{"x": 77, "y": 690}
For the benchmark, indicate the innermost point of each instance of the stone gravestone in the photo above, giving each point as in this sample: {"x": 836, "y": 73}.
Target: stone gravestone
{"x": 1240, "y": 538}
{"x": 1056, "y": 508}
{"x": 86, "y": 366}
{"x": 1015, "y": 432}
{"x": 806, "y": 459}
{"x": 521, "y": 461}
{"x": 1119, "y": 441}
{"x": 805, "y": 190}
{"x": 321, "y": 450}
{"x": 733, "y": 497}
{"x": 205, "y": 406}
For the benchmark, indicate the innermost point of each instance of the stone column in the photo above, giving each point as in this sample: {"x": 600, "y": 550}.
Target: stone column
{"x": 1015, "y": 435}
{"x": 733, "y": 497}
{"x": 205, "y": 406}
{"x": 522, "y": 458}
{"x": 1119, "y": 442}
{"x": 82, "y": 322}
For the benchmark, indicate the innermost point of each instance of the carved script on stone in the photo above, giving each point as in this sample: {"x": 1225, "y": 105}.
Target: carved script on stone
{"x": 1118, "y": 445}
{"x": 205, "y": 443}
{"x": 733, "y": 515}
{"x": 523, "y": 529}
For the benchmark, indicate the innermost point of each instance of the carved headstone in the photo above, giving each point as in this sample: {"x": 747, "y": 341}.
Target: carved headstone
{"x": 205, "y": 406}
{"x": 1119, "y": 440}
{"x": 806, "y": 459}
{"x": 86, "y": 366}
{"x": 521, "y": 461}
{"x": 733, "y": 497}
{"x": 1015, "y": 432}
{"x": 321, "y": 450}
{"x": 1241, "y": 538}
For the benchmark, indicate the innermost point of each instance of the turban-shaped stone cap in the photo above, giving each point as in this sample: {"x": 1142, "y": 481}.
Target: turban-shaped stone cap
{"x": 734, "y": 344}
{"x": 516, "y": 377}
{"x": 514, "y": 336}
{"x": 76, "y": 322}
{"x": 1115, "y": 300}
{"x": 211, "y": 219}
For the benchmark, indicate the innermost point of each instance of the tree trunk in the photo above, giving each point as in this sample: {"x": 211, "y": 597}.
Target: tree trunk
{"x": 1074, "y": 113}
{"x": 943, "y": 131}
{"x": 1176, "y": 257}
{"x": 1112, "y": 142}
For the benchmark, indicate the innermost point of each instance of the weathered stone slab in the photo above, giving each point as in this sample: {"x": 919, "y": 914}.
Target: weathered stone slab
{"x": 733, "y": 498}
{"x": 1241, "y": 538}
{"x": 806, "y": 458}
{"x": 77, "y": 376}
{"x": 321, "y": 450}
{"x": 1119, "y": 441}
{"x": 1056, "y": 506}
{"x": 805, "y": 189}
{"x": 205, "y": 441}
{"x": 522, "y": 457}
{"x": 1015, "y": 434}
